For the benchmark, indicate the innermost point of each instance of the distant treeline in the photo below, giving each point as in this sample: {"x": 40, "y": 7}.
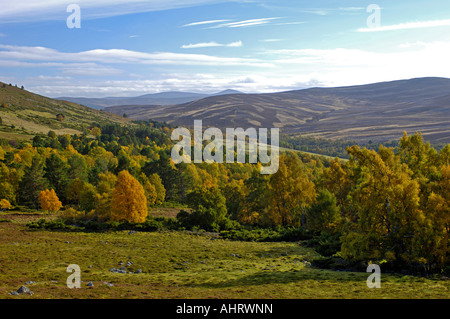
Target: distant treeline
{"x": 328, "y": 147}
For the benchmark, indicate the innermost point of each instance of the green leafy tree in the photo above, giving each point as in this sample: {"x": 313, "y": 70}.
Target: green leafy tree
{"x": 209, "y": 208}
{"x": 255, "y": 201}
{"x": 324, "y": 214}
{"x": 88, "y": 197}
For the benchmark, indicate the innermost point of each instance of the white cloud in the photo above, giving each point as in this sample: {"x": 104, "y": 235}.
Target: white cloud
{"x": 342, "y": 66}
{"x": 200, "y": 82}
{"x": 236, "y": 44}
{"x": 271, "y": 40}
{"x": 408, "y": 26}
{"x": 244, "y": 23}
{"x": 201, "y": 45}
{"x": 204, "y": 22}
{"x": 24, "y": 54}
{"x": 211, "y": 44}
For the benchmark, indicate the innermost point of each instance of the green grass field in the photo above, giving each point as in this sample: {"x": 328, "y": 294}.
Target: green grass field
{"x": 179, "y": 265}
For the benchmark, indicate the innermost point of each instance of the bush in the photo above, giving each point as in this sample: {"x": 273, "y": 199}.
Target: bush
{"x": 57, "y": 224}
{"x": 265, "y": 234}
{"x": 71, "y": 215}
{"x": 326, "y": 244}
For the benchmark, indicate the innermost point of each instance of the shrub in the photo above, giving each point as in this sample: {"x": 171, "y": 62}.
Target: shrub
{"x": 57, "y": 224}
{"x": 5, "y": 204}
{"x": 326, "y": 244}
{"x": 72, "y": 215}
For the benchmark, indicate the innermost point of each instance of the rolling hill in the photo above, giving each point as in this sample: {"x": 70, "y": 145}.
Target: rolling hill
{"x": 24, "y": 114}
{"x": 163, "y": 98}
{"x": 378, "y": 112}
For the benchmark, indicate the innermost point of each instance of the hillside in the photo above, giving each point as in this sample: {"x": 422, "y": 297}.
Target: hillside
{"x": 378, "y": 112}
{"x": 24, "y": 114}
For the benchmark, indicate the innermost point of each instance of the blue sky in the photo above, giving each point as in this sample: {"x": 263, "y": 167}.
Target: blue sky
{"x": 129, "y": 48}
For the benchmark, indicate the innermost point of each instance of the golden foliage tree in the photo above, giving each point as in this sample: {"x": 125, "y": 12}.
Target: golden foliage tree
{"x": 389, "y": 214}
{"x": 96, "y": 131}
{"x": 437, "y": 228}
{"x": 150, "y": 193}
{"x": 49, "y": 201}
{"x": 291, "y": 191}
{"x": 337, "y": 181}
{"x": 128, "y": 200}
{"x": 5, "y": 204}
{"x": 156, "y": 181}
{"x": 149, "y": 189}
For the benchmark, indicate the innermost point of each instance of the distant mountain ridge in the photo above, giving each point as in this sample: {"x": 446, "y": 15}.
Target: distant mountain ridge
{"x": 162, "y": 98}
{"x": 376, "y": 112}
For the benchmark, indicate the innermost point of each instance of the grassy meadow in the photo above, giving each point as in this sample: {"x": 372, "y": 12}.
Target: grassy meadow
{"x": 179, "y": 265}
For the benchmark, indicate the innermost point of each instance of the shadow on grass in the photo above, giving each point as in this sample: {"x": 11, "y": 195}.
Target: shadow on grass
{"x": 286, "y": 277}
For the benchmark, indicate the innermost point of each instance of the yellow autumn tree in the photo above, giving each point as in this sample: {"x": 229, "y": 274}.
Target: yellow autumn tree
{"x": 338, "y": 182}
{"x": 5, "y": 204}
{"x": 150, "y": 193}
{"x": 128, "y": 200}
{"x": 156, "y": 181}
{"x": 96, "y": 131}
{"x": 387, "y": 199}
{"x": 437, "y": 233}
{"x": 149, "y": 189}
{"x": 49, "y": 201}
{"x": 291, "y": 191}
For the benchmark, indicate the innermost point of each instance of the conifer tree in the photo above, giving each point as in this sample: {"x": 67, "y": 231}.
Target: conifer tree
{"x": 32, "y": 183}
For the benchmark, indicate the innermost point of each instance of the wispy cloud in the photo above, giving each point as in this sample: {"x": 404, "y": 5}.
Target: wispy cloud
{"x": 290, "y": 23}
{"x": 201, "y": 45}
{"x": 244, "y": 23}
{"x": 241, "y": 23}
{"x": 408, "y": 25}
{"x": 29, "y": 10}
{"x": 204, "y": 22}
{"x": 320, "y": 12}
{"x": 211, "y": 44}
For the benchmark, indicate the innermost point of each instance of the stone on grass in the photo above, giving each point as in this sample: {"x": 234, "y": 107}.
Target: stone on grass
{"x": 24, "y": 290}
